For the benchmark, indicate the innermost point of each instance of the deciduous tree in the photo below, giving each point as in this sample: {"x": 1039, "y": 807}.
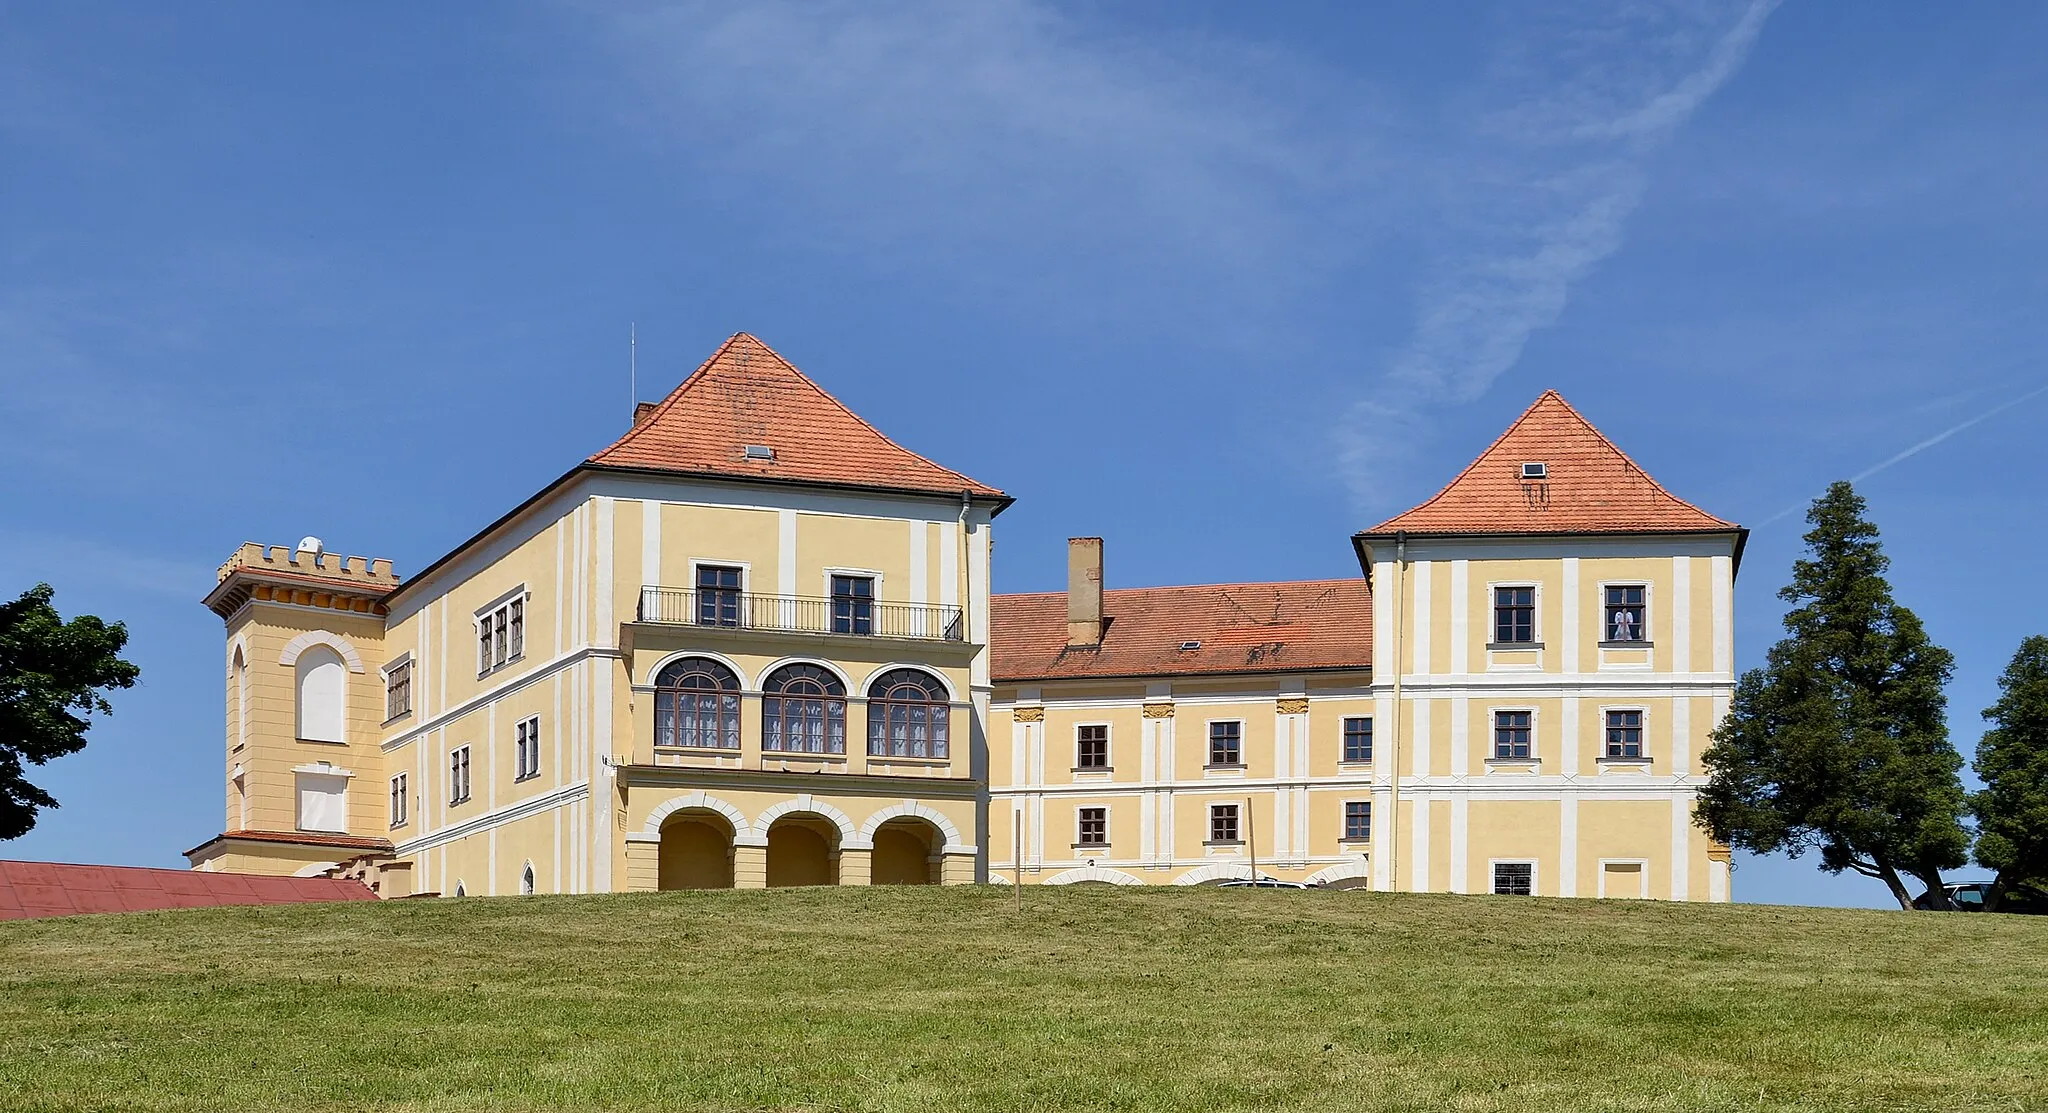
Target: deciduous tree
{"x": 2012, "y": 761}
{"x": 1838, "y": 743}
{"x": 54, "y": 676}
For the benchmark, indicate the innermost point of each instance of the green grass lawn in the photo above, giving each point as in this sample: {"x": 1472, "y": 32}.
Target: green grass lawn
{"x": 1091, "y": 998}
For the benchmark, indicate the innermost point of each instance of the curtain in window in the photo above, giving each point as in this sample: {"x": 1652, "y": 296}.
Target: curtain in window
{"x": 697, "y": 703}
{"x": 907, "y": 715}
{"x": 803, "y": 711}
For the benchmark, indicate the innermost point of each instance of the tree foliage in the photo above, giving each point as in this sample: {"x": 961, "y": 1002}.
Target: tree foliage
{"x": 53, "y": 678}
{"x": 2012, "y": 761}
{"x": 1838, "y": 743}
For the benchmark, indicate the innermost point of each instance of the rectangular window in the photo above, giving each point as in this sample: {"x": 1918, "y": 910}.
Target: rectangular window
{"x": 1223, "y": 823}
{"x": 526, "y": 749}
{"x": 1091, "y": 747}
{"x": 1514, "y": 615}
{"x": 398, "y": 801}
{"x": 398, "y": 690}
{"x": 853, "y": 605}
{"x": 1511, "y": 734}
{"x": 1357, "y": 820}
{"x": 501, "y": 634}
{"x": 1514, "y": 879}
{"x": 1624, "y": 734}
{"x": 718, "y": 595}
{"x": 458, "y": 776}
{"x": 1223, "y": 744}
{"x": 1624, "y": 614}
{"x": 1093, "y": 826}
{"x": 1358, "y": 739}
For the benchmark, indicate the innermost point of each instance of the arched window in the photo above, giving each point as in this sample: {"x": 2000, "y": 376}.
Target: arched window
{"x": 526, "y": 881}
{"x": 697, "y": 703}
{"x": 803, "y": 711}
{"x": 907, "y": 712}
{"x": 323, "y": 694}
{"x": 241, "y": 736}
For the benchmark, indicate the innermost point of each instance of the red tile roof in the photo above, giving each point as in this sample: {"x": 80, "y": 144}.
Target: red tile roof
{"x": 1593, "y": 487}
{"x": 1243, "y": 628}
{"x": 33, "y": 889}
{"x": 746, "y": 394}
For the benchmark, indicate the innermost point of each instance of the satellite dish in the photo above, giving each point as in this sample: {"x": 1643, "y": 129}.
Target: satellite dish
{"x": 311, "y": 544}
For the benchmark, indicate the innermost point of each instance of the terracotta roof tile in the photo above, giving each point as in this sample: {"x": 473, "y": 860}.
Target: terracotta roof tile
{"x": 33, "y": 889}
{"x": 1593, "y": 487}
{"x": 747, "y": 394}
{"x": 1243, "y": 628}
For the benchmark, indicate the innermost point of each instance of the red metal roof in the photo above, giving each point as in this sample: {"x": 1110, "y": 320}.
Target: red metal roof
{"x": 1592, "y": 486}
{"x": 1243, "y": 628}
{"x": 746, "y": 394}
{"x": 34, "y": 889}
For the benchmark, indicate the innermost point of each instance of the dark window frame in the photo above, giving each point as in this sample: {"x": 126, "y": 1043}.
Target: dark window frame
{"x": 1514, "y": 615}
{"x": 1514, "y": 735}
{"x": 909, "y": 715}
{"x": 459, "y": 782}
{"x": 1223, "y": 824}
{"x": 697, "y": 705}
{"x": 1357, "y": 821}
{"x": 853, "y": 604}
{"x": 718, "y": 601}
{"x": 1091, "y": 821}
{"x": 1226, "y": 743}
{"x": 1091, "y": 746}
{"x": 1624, "y": 733}
{"x": 1357, "y": 739}
{"x": 803, "y": 710}
{"x": 1617, "y": 601}
{"x": 1514, "y": 879}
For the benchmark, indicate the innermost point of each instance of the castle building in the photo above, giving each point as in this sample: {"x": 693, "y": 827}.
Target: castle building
{"x": 753, "y": 643}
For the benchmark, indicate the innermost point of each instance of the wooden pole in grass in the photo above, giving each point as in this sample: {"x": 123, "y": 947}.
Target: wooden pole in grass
{"x": 1251, "y": 835}
{"x": 1017, "y": 860}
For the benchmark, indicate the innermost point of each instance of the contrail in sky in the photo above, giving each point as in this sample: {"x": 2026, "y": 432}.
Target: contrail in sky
{"x": 1930, "y": 442}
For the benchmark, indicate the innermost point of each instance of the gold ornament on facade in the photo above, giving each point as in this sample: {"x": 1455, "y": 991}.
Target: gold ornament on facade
{"x": 1029, "y": 714}
{"x": 1159, "y": 711}
{"x": 1292, "y": 706}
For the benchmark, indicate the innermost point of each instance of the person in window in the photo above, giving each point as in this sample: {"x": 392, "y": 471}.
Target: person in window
{"x": 1624, "y": 624}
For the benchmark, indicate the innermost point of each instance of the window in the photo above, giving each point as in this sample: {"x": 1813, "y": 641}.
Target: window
{"x": 1223, "y": 823}
{"x": 526, "y": 881}
{"x": 323, "y": 695}
{"x": 1091, "y": 747}
{"x": 1358, "y": 739}
{"x": 1357, "y": 820}
{"x": 398, "y": 801}
{"x": 1624, "y": 614}
{"x": 526, "y": 749}
{"x": 718, "y": 595}
{"x": 1511, "y": 734}
{"x": 1514, "y": 615}
{"x": 1514, "y": 879}
{"x": 1224, "y": 739}
{"x": 907, "y": 715}
{"x": 501, "y": 634}
{"x": 458, "y": 776}
{"x": 803, "y": 711}
{"x": 323, "y": 799}
{"x": 853, "y": 605}
{"x": 697, "y": 703}
{"x": 398, "y": 690}
{"x": 1093, "y": 827}
{"x": 1624, "y": 734}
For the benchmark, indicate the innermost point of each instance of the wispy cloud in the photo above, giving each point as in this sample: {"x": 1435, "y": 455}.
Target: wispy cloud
{"x": 1571, "y": 120}
{"x": 1919, "y": 447}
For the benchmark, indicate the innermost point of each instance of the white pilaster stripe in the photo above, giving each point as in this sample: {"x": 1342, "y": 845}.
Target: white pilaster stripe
{"x": 1681, "y": 736}
{"x": 1419, "y": 573}
{"x": 1459, "y": 817}
{"x": 607, "y": 632}
{"x": 949, "y": 565}
{"x": 1724, "y": 620}
{"x": 1569, "y": 743}
{"x": 1681, "y": 831}
{"x": 1461, "y": 755}
{"x": 1419, "y": 741}
{"x": 1568, "y": 637}
{"x": 1418, "y": 857}
{"x": 1459, "y": 620}
{"x": 650, "y": 543}
{"x": 1681, "y": 615}
{"x": 1568, "y": 845}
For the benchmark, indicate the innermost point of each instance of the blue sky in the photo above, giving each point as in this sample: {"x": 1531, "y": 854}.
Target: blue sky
{"x": 1223, "y": 283}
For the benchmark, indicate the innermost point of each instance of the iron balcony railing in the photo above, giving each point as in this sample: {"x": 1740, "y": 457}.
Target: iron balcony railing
{"x": 801, "y": 614}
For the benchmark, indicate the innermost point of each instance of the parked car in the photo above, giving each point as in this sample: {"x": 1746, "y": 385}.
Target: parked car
{"x": 1969, "y": 897}
{"x": 1263, "y": 883}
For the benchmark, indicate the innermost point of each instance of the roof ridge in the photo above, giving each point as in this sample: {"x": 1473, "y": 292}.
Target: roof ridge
{"x": 1192, "y": 587}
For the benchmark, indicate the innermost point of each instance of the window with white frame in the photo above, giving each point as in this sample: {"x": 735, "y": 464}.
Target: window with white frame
{"x": 1357, "y": 820}
{"x": 1091, "y": 746}
{"x": 1358, "y": 739}
{"x": 526, "y": 881}
{"x": 501, "y": 634}
{"x": 526, "y": 749}
{"x": 1624, "y": 734}
{"x": 398, "y": 690}
{"x": 1091, "y": 827}
{"x": 853, "y": 604}
{"x": 1514, "y": 879}
{"x": 400, "y": 805}
{"x": 1226, "y": 743}
{"x": 1223, "y": 823}
{"x": 1514, "y": 615}
{"x": 458, "y": 775}
{"x": 1624, "y": 614}
{"x": 1511, "y": 735}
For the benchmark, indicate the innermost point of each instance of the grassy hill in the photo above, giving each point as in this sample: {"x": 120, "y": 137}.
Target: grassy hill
{"x": 930, "y": 1000}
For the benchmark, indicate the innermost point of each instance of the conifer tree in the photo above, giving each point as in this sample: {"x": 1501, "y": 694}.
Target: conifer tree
{"x": 2012, "y": 761}
{"x": 1838, "y": 743}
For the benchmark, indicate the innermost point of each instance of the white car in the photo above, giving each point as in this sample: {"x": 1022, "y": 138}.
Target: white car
{"x": 1263, "y": 883}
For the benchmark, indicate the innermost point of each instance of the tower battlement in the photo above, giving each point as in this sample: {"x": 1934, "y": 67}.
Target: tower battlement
{"x": 283, "y": 558}
{"x": 301, "y": 576}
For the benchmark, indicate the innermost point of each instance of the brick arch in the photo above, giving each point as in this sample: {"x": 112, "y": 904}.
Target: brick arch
{"x": 311, "y": 638}
{"x": 912, "y": 809}
{"x": 849, "y": 839}
{"x": 1093, "y": 873}
{"x": 1215, "y": 871}
{"x": 674, "y": 804}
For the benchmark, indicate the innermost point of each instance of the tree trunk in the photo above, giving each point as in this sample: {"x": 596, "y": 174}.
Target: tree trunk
{"x": 1937, "y": 891}
{"x": 1995, "y": 896}
{"x": 1891, "y": 879}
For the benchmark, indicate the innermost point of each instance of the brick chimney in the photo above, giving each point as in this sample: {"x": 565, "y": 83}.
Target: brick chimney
{"x": 1084, "y": 591}
{"x": 641, "y": 410}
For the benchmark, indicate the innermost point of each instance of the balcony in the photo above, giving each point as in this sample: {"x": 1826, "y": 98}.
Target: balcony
{"x": 862, "y": 618}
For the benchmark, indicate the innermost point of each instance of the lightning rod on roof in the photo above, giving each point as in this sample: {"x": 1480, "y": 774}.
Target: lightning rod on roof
{"x": 633, "y": 363}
